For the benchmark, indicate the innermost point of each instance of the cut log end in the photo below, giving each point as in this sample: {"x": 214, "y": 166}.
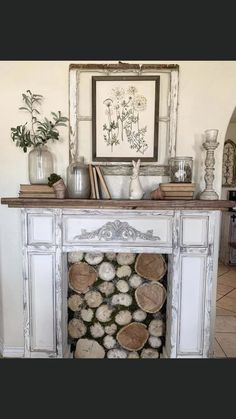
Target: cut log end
{"x": 89, "y": 348}
{"x": 151, "y": 266}
{"x": 150, "y": 297}
{"x": 106, "y": 271}
{"x": 133, "y": 336}
{"x": 81, "y": 277}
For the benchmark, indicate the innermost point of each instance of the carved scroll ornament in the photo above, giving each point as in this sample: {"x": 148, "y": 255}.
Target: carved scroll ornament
{"x": 116, "y": 230}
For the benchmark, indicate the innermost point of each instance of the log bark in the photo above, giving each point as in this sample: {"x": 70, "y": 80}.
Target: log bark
{"x": 126, "y": 258}
{"x": 151, "y": 266}
{"x": 150, "y": 297}
{"x": 106, "y": 271}
{"x": 93, "y": 298}
{"x": 81, "y": 277}
{"x": 89, "y": 348}
{"x": 74, "y": 302}
{"x": 133, "y": 336}
{"x": 94, "y": 258}
{"x": 76, "y": 328}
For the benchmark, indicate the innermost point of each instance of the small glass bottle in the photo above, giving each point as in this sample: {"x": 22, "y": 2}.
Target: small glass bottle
{"x": 40, "y": 163}
{"x": 181, "y": 169}
{"x": 78, "y": 180}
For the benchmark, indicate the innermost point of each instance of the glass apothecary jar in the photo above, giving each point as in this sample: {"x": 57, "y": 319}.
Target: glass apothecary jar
{"x": 181, "y": 169}
{"x": 40, "y": 163}
{"x": 78, "y": 180}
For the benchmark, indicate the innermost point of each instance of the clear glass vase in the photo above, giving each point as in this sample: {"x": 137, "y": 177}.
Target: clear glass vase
{"x": 78, "y": 180}
{"x": 40, "y": 162}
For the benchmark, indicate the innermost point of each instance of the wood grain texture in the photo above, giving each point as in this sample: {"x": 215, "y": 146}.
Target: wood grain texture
{"x": 194, "y": 204}
{"x": 126, "y": 170}
{"x": 81, "y": 276}
{"x": 150, "y": 297}
{"x": 133, "y": 336}
{"x": 124, "y": 66}
{"x": 150, "y": 266}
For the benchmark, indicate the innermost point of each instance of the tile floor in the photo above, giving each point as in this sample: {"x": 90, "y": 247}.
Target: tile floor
{"x": 225, "y": 326}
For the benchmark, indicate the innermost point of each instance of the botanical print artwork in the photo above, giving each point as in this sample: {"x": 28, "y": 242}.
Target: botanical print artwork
{"x": 125, "y": 118}
{"x": 122, "y": 111}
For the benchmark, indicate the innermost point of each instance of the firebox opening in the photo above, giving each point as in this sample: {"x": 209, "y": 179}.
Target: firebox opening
{"x": 116, "y": 304}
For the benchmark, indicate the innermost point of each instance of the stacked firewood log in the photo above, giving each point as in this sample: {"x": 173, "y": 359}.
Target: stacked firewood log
{"x": 116, "y": 304}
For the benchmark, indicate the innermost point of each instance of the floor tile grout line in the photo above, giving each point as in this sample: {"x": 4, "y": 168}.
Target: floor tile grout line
{"x": 234, "y": 312}
{"x": 226, "y": 295}
{"x": 218, "y": 315}
{"x": 221, "y": 347}
{"x": 224, "y": 273}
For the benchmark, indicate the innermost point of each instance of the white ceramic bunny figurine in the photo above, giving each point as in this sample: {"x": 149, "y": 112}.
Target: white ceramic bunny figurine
{"x": 135, "y": 188}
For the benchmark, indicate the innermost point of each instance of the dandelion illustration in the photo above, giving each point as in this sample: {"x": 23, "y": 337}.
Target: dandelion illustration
{"x": 118, "y": 93}
{"x": 111, "y": 137}
{"x": 123, "y": 119}
{"x": 140, "y": 103}
{"x": 132, "y": 90}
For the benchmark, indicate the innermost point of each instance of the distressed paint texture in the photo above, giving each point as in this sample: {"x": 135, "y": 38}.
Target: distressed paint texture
{"x": 207, "y": 250}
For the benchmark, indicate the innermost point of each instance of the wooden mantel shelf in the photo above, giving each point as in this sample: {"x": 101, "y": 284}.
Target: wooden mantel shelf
{"x": 194, "y": 204}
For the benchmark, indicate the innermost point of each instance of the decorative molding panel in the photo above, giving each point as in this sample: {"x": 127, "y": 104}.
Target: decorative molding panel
{"x": 40, "y": 229}
{"x": 191, "y": 300}
{"x": 140, "y": 230}
{"x": 42, "y": 302}
{"x": 12, "y": 351}
{"x": 198, "y": 224}
{"x": 116, "y": 230}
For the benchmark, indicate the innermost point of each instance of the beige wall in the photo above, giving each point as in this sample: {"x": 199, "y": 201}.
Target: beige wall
{"x": 207, "y": 99}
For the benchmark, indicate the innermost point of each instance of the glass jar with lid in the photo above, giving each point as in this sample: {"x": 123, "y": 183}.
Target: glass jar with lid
{"x": 181, "y": 169}
{"x": 78, "y": 180}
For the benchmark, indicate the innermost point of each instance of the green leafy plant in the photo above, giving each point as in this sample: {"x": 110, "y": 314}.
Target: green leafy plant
{"x": 41, "y": 131}
{"x": 53, "y": 178}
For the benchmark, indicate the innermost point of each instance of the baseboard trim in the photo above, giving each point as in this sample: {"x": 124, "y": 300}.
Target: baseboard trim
{"x": 11, "y": 351}
{"x": 1, "y": 347}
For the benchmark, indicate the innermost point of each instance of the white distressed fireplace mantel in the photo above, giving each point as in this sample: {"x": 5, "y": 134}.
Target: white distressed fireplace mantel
{"x": 189, "y": 237}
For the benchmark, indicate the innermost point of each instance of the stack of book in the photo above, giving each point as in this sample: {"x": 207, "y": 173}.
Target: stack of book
{"x": 177, "y": 190}
{"x": 99, "y": 189}
{"x": 36, "y": 191}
